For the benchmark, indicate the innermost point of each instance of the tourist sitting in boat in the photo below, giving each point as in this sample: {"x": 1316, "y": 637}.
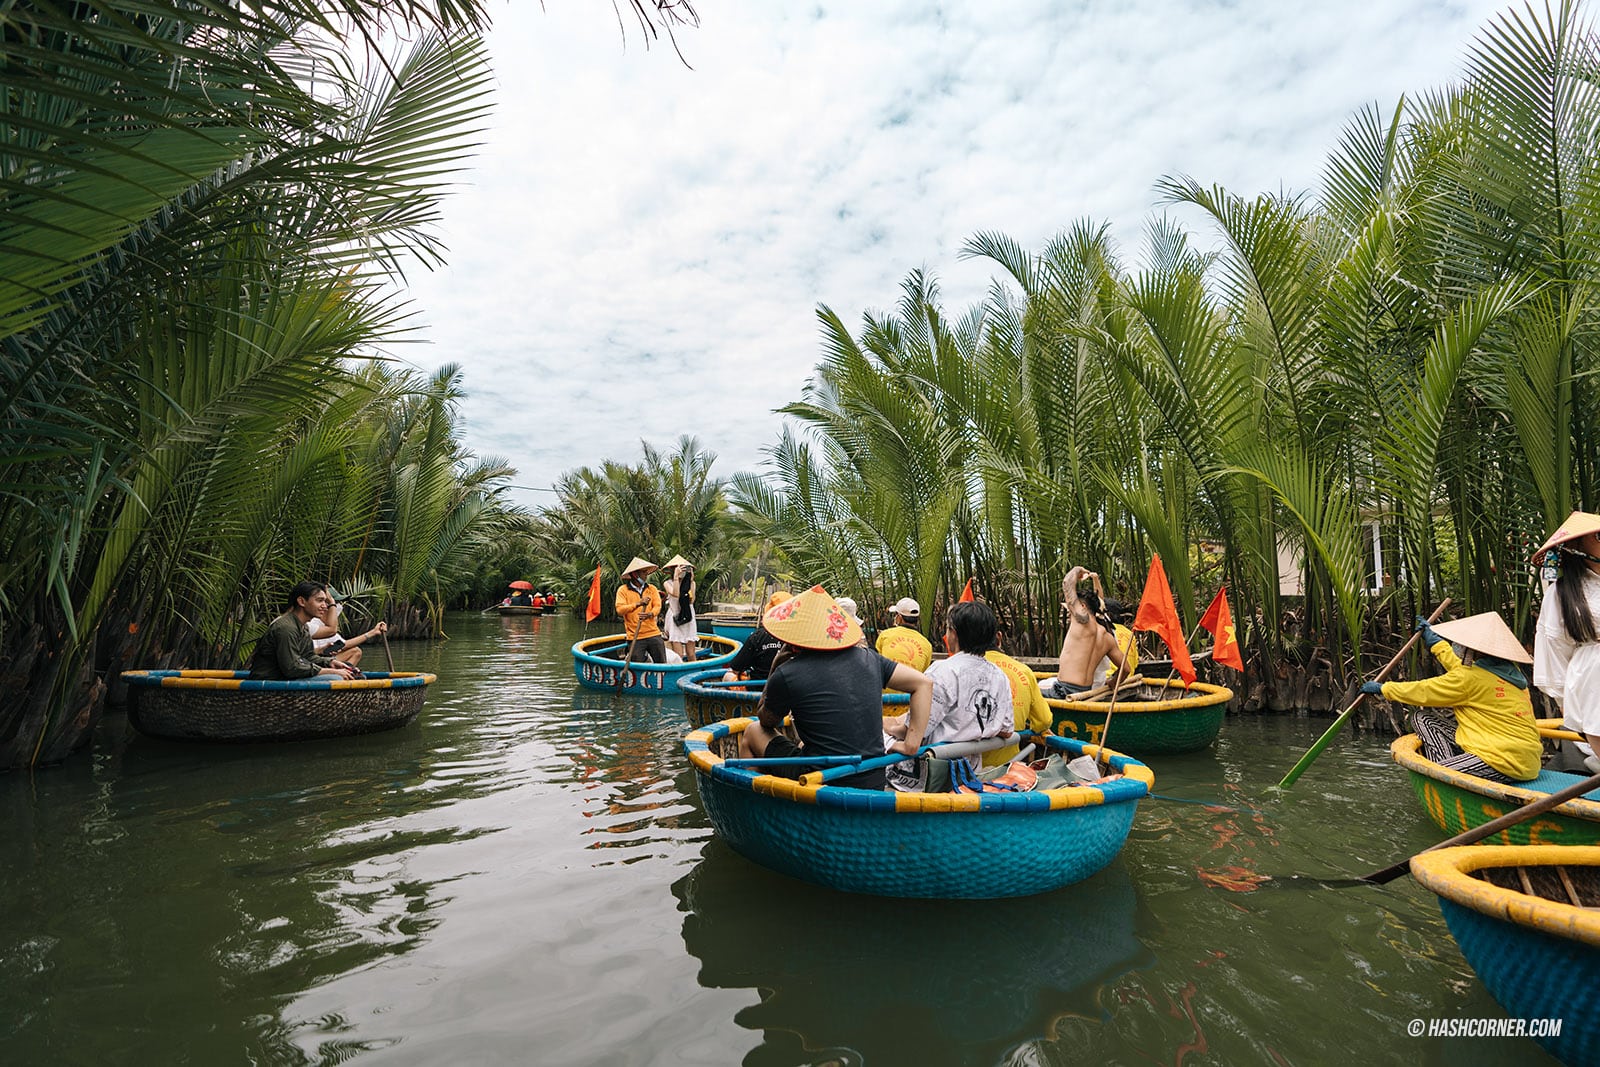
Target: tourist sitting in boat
{"x": 682, "y": 634}
{"x": 971, "y": 697}
{"x": 638, "y": 604}
{"x": 1566, "y": 647}
{"x": 284, "y": 652}
{"x": 753, "y": 661}
{"x": 833, "y": 687}
{"x": 848, "y": 606}
{"x": 902, "y": 641}
{"x": 326, "y": 639}
{"x": 1121, "y": 616}
{"x": 1028, "y": 709}
{"x": 1492, "y": 734}
{"x": 1091, "y": 638}
{"x": 521, "y": 599}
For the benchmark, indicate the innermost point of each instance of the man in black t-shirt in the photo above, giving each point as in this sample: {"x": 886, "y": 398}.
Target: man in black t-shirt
{"x": 833, "y": 687}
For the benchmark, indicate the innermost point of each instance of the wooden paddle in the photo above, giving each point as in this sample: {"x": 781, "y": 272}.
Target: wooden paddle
{"x": 1338, "y": 724}
{"x": 638, "y": 628}
{"x": 1489, "y": 829}
{"x": 386, "y": 653}
{"x": 1105, "y": 730}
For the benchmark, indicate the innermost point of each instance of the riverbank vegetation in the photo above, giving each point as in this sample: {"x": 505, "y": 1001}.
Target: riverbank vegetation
{"x": 1410, "y": 351}
{"x": 207, "y": 210}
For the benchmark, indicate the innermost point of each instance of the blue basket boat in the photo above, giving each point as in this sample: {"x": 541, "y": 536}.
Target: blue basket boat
{"x": 944, "y": 845}
{"x": 708, "y": 699}
{"x": 1527, "y": 917}
{"x": 597, "y": 661}
{"x": 737, "y": 626}
{"x": 232, "y": 706}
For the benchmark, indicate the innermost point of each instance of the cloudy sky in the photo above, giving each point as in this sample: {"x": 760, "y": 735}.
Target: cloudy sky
{"x": 640, "y": 248}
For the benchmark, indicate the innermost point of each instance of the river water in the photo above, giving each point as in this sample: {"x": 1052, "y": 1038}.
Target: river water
{"x": 525, "y": 876}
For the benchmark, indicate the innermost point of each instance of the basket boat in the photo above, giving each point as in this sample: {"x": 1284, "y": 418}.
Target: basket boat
{"x": 231, "y": 706}
{"x": 944, "y": 845}
{"x": 597, "y": 671}
{"x": 708, "y": 699}
{"x": 737, "y": 625}
{"x": 1146, "y": 724}
{"x": 1527, "y": 917}
{"x": 1457, "y": 802}
{"x": 517, "y": 609}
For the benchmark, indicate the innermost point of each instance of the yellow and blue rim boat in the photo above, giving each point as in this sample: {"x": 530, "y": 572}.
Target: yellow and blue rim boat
{"x": 1527, "y": 917}
{"x": 1457, "y": 802}
{"x": 597, "y": 671}
{"x": 944, "y": 845}
{"x": 1159, "y": 717}
{"x": 708, "y": 699}
{"x": 217, "y": 705}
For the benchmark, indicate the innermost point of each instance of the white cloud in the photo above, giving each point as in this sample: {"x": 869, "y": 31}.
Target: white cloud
{"x": 641, "y": 247}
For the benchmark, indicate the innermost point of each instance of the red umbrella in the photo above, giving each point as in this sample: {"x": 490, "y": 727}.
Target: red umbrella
{"x": 528, "y": 586}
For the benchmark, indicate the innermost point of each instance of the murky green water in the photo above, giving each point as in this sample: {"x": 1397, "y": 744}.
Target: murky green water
{"x": 525, "y": 876}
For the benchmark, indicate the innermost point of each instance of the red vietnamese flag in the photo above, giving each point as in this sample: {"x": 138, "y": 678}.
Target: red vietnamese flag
{"x": 1219, "y": 620}
{"x": 1158, "y": 613}
{"x": 592, "y": 612}
{"x": 966, "y": 594}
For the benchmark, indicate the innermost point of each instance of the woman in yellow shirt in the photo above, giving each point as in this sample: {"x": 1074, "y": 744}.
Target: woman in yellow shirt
{"x": 1492, "y": 734}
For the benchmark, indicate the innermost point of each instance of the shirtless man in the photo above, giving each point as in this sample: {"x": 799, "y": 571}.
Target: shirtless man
{"x": 1089, "y": 639}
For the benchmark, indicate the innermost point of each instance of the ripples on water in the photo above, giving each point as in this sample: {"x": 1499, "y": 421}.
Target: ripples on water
{"x": 525, "y": 876}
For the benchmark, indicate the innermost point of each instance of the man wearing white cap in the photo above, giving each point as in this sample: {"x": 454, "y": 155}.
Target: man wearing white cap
{"x": 639, "y": 606}
{"x": 902, "y": 641}
{"x": 1492, "y": 734}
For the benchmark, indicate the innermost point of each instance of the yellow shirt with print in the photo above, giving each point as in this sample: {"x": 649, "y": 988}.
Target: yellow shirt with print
{"x": 1130, "y": 647}
{"x": 1028, "y": 709}
{"x": 904, "y": 645}
{"x": 1494, "y": 719}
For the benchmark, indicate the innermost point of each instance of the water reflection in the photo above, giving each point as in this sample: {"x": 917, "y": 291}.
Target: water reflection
{"x": 853, "y": 979}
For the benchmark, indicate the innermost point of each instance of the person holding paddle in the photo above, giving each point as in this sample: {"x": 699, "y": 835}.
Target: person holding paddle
{"x": 1491, "y": 734}
{"x": 638, "y": 604}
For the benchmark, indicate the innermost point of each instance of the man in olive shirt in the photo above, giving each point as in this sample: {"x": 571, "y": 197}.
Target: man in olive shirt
{"x": 284, "y": 653}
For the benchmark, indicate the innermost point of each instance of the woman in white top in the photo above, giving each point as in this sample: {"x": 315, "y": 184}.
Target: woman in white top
{"x": 971, "y": 696}
{"x": 324, "y": 630}
{"x": 682, "y": 634}
{"x": 1566, "y": 653}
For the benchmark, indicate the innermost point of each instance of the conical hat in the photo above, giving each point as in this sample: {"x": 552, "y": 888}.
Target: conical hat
{"x": 1487, "y": 633}
{"x": 639, "y": 565}
{"x": 812, "y": 620}
{"x": 678, "y": 561}
{"x": 1577, "y": 524}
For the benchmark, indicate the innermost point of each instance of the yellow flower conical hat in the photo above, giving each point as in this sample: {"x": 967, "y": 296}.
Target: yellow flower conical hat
{"x": 812, "y": 620}
{"x": 1577, "y": 524}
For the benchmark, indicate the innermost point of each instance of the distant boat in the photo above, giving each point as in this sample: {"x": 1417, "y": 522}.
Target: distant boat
{"x": 232, "y": 706}
{"x": 597, "y": 662}
{"x": 517, "y": 609}
{"x": 738, "y": 625}
{"x": 1527, "y": 917}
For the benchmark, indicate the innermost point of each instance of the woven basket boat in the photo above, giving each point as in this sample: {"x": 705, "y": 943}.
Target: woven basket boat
{"x": 708, "y": 699}
{"x": 595, "y": 671}
{"x": 231, "y": 706}
{"x": 1144, "y": 724}
{"x": 737, "y": 626}
{"x": 1457, "y": 802}
{"x": 518, "y": 609}
{"x": 945, "y": 845}
{"x": 1527, "y": 917}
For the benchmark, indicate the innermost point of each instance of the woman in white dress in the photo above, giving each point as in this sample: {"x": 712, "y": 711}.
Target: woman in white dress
{"x": 1566, "y": 652}
{"x": 682, "y": 635}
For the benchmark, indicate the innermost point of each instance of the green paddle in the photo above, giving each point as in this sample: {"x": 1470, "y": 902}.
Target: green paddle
{"x": 1338, "y": 724}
